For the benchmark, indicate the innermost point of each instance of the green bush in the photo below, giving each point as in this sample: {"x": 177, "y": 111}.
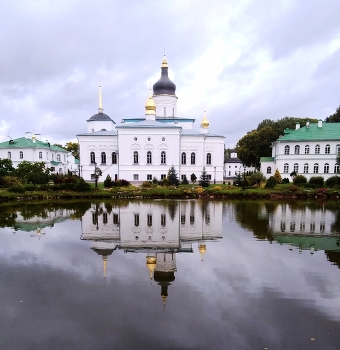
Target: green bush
{"x": 12, "y": 181}
{"x": 30, "y": 187}
{"x": 82, "y": 186}
{"x": 271, "y": 182}
{"x": 17, "y": 189}
{"x": 332, "y": 181}
{"x": 108, "y": 181}
{"x": 155, "y": 181}
{"x": 299, "y": 179}
{"x": 146, "y": 184}
{"x": 285, "y": 181}
{"x": 185, "y": 180}
{"x": 317, "y": 181}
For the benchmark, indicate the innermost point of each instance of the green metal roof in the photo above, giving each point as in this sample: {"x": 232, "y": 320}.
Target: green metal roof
{"x": 266, "y": 159}
{"x": 24, "y": 142}
{"x": 328, "y": 131}
{"x": 54, "y": 162}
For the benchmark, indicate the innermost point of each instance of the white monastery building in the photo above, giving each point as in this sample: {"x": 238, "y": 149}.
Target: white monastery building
{"x": 145, "y": 147}
{"x": 309, "y": 151}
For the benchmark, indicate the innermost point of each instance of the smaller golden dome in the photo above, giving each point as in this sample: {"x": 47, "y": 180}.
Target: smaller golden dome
{"x": 164, "y": 63}
{"x": 205, "y": 122}
{"x": 151, "y": 264}
{"x": 202, "y": 249}
{"x": 150, "y": 105}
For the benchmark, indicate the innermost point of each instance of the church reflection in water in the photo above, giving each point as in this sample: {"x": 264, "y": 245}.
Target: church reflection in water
{"x": 159, "y": 229}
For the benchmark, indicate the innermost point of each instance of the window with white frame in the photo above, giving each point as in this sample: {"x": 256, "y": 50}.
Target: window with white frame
{"x": 326, "y": 168}
{"x": 316, "y": 168}
{"x": 135, "y": 157}
{"x": 92, "y": 158}
{"x": 287, "y": 148}
{"x": 297, "y": 149}
{"x": 114, "y": 157}
{"x": 149, "y": 157}
{"x": 149, "y": 177}
{"x": 184, "y": 158}
{"x": 103, "y": 157}
{"x": 327, "y": 149}
{"x": 317, "y": 149}
{"x": 286, "y": 168}
{"x": 193, "y": 158}
{"x": 269, "y": 169}
{"x": 163, "y": 220}
{"x": 135, "y": 177}
{"x": 163, "y": 176}
{"x": 336, "y": 168}
{"x": 337, "y": 149}
{"x": 163, "y": 157}
{"x": 9, "y": 155}
{"x": 52, "y": 157}
{"x": 21, "y": 155}
{"x": 296, "y": 167}
{"x": 305, "y": 168}
{"x": 149, "y": 219}
{"x": 136, "y": 220}
{"x": 40, "y": 155}
{"x": 58, "y": 157}
{"x": 208, "y": 158}
{"x": 307, "y": 149}
{"x": 183, "y": 176}
{"x": 64, "y": 157}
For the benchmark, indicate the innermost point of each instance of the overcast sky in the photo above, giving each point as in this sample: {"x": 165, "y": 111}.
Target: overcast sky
{"x": 245, "y": 60}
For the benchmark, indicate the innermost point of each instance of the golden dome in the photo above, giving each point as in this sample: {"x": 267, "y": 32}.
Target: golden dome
{"x": 150, "y": 105}
{"x": 151, "y": 264}
{"x": 205, "y": 122}
{"x": 164, "y": 63}
{"x": 202, "y": 249}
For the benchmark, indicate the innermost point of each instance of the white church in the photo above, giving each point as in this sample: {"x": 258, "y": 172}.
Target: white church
{"x": 145, "y": 147}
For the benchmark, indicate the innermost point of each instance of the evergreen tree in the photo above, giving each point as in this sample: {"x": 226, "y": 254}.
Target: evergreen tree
{"x": 193, "y": 178}
{"x": 204, "y": 181}
{"x": 278, "y": 176}
{"x": 185, "y": 180}
{"x": 108, "y": 181}
{"x": 173, "y": 177}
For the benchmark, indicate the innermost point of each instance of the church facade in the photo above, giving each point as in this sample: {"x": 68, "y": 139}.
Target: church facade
{"x": 143, "y": 148}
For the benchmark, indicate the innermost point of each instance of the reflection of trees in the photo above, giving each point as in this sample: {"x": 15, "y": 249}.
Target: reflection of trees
{"x": 7, "y": 219}
{"x": 333, "y": 257}
{"x": 172, "y": 208}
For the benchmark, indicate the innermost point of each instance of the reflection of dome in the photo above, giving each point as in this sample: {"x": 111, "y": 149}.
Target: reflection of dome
{"x": 151, "y": 264}
{"x": 164, "y": 278}
{"x": 164, "y": 86}
{"x": 105, "y": 252}
{"x": 202, "y": 249}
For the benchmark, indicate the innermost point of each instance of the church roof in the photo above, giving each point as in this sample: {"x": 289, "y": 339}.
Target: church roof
{"x": 149, "y": 124}
{"x": 100, "y": 133}
{"x": 328, "y": 131}
{"x": 100, "y": 117}
{"x": 23, "y": 142}
{"x": 267, "y": 159}
{"x": 190, "y": 132}
{"x": 234, "y": 160}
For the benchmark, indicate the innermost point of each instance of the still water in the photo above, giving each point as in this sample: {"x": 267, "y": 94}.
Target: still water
{"x": 170, "y": 275}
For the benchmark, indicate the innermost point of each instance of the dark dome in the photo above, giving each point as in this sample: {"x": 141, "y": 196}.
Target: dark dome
{"x": 164, "y": 86}
{"x": 100, "y": 117}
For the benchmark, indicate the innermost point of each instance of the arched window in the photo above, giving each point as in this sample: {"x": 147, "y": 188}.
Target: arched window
{"x": 296, "y": 167}
{"x": 336, "y": 168}
{"x": 326, "y": 168}
{"x": 9, "y": 155}
{"x": 269, "y": 170}
{"x": 286, "y": 168}
{"x": 40, "y": 155}
{"x": 287, "y": 148}
{"x": 163, "y": 157}
{"x": 135, "y": 157}
{"x": 52, "y": 156}
{"x": 337, "y": 149}
{"x": 114, "y": 158}
{"x": 149, "y": 157}
{"x": 21, "y": 155}
{"x": 316, "y": 168}
{"x": 184, "y": 158}
{"x": 58, "y": 157}
{"x": 193, "y": 158}
{"x": 297, "y": 149}
{"x": 307, "y": 149}
{"x": 92, "y": 158}
{"x": 47, "y": 156}
{"x": 327, "y": 149}
{"x": 208, "y": 158}
{"x": 103, "y": 157}
{"x": 305, "y": 168}
{"x": 317, "y": 149}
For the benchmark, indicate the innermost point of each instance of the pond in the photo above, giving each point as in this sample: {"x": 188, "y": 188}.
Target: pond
{"x": 170, "y": 275}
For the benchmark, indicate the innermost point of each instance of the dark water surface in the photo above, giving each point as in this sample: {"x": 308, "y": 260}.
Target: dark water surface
{"x": 170, "y": 275}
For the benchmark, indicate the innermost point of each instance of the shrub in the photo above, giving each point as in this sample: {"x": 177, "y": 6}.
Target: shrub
{"x": 299, "y": 179}
{"x": 293, "y": 188}
{"x": 108, "y": 181}
{"x": 11, "y": 181}
{"x": 155, "y": 181}
{"x": 146, "y": 184}
{"x": 30, "y": 187}
{"x": 317, "y": 181}
{"x": 285, "y": 181}
{"x": 124, "y": 183}
{"x": 256, "y": 177}
{"x": 278, "y": 176}
{"x": 185, "y": 180}
{"x": 332, "y": 181}
{"x": 17, "y": 189}
{"x": 271, "y": 182}
{"x": 81, "y": 186}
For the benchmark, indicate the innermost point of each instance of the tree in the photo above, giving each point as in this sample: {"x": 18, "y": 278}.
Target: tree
{"x": 172, "y": 176}
{"x": 193, "y": 178}
{"x": 204, "y": 181}
{"x": 334, "y": 118}
{"x": 97, "y": 174}
{"x": 108, "y": 181}
{"x": 256, "y": 178}
{"x": 35, "y": 173}
{"x": 278, "y": 176}
{"x": 73, "y": 147}
{"x": 6, "y": 167}
{"x": 185, "y": 180}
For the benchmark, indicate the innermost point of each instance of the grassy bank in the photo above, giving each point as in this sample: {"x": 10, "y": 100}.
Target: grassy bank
{"x": 170, "y": 192}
